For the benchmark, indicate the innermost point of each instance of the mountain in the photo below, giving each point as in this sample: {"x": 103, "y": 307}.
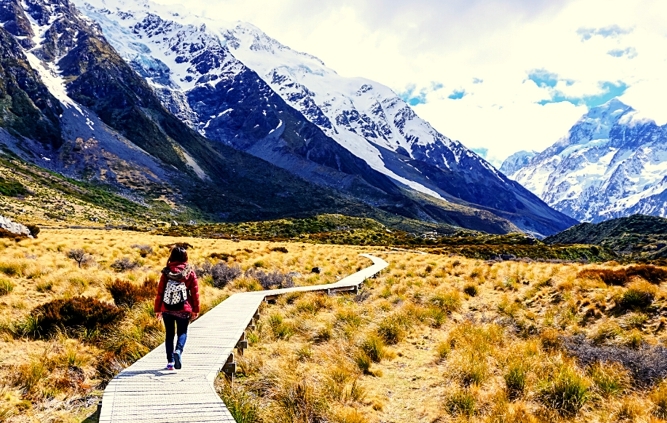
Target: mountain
{"x": 235, "y": 85}
{"x": 612, "y": 163}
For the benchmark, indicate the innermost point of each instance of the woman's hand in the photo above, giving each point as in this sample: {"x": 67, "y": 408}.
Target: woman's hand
{"x": 158, "y": 315}
{"x": 193, "y": 316}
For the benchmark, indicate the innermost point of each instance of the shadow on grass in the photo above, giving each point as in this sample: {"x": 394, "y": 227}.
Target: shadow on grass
{"x": 93, "y": 418}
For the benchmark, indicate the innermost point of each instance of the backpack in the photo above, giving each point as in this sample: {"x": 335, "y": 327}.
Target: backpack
{"x": 175, "y": 295}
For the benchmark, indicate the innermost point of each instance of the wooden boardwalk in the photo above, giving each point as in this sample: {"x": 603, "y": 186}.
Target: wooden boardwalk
{"x": 144, "y": 392}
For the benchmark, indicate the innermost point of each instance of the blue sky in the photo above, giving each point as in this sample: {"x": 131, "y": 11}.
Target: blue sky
{"x": 498, "y": 75}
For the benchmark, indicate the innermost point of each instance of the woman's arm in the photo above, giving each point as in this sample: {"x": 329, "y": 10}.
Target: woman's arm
{"x": 194, "y": 293}
{"x": 157, "y": 304}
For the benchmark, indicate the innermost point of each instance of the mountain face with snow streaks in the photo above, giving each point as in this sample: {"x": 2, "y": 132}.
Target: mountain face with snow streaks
{"x": 73, "y": 105}
{"x": 235, "y": 85}
{"x": 612, "y": 163}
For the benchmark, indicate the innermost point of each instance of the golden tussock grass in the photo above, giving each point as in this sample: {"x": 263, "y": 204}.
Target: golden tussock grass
{"x": 432, "y": 339}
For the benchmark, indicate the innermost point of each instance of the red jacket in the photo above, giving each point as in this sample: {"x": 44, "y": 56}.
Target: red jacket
{"x": 192, "y": 303}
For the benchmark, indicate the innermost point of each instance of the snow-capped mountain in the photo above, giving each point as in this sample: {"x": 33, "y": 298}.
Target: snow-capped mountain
{"x": 517, "y": 161}
{"x": 612, "y": 163}
{"x": 73, "y": 105}
{"x": 234, "y": 84}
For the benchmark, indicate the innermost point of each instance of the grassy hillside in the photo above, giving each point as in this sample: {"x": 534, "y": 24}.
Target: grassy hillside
{"x": 642, "y": 237}
{"x": 436, "y": 337}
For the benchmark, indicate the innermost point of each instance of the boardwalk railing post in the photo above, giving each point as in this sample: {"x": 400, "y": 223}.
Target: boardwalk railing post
{"x": 242, "y": 344}
{"x": 230, "y": 366}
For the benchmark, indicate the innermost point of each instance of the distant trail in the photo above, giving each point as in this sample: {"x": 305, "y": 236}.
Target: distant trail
{"x": 145, "y": 393}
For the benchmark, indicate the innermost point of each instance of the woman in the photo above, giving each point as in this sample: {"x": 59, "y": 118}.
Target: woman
{"x": 177, "y": 302}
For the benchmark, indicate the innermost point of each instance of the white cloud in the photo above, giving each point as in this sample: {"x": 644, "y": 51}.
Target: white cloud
{"x": 456, "y": 42}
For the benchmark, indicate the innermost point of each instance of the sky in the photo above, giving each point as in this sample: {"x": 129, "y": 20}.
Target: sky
{"x": 498, "y": 75}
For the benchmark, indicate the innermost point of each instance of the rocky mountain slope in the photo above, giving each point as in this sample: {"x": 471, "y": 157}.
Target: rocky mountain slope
{"x": 235, "y": 85}
{"x": 612, "y": 163}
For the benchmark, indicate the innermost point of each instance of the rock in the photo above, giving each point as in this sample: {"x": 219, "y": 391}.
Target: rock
{"x": 316, "y": 270}
{"x": 6, "y": 225}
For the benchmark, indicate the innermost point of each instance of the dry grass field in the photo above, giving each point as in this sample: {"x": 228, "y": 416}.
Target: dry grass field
{"x": 53, "y": 373}
{"x": 434, "y": 338}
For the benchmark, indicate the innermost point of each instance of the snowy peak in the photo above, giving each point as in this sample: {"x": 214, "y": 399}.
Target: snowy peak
{"x": 612, "y": 163}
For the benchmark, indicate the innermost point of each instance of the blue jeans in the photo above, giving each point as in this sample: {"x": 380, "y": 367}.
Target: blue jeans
{"x": 181, "y": 330}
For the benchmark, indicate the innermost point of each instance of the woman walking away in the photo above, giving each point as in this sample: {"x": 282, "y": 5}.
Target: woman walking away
{"x": 177, "y": 302}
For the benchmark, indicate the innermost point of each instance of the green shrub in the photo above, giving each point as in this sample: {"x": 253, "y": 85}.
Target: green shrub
{"x": 127, "y": 294}
{"x": 73, "y": 314}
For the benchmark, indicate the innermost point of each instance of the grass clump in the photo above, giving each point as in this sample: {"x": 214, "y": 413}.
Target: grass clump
{"x": 448, "y": 301}
{"x": 639, "y": 295}
{"x": 373, "y": 346}
{"x": 461, "y": 402}
{"x": 566, "y": 391}
{"x": 610, "y": 378}
{"x": 392, "y": 328}
{"x": 241, "y": 403}
{"x": 515, "y": 380}
{"x": 6, "y": 286}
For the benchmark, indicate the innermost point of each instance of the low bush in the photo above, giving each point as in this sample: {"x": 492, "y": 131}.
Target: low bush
{"x": 280, "y": 249}
{"x": 34, "y": 230}
{"x": 646, "y": 364}
{"x": 71, "y": 315}
{"x": 222, "y": 274}
{"x": 144, "y": 250}
{"x": 127, "y": 294}
{"x": 470, "y": 289}
{"x": 269, "y": 280}
{"x": 124, "y": 264}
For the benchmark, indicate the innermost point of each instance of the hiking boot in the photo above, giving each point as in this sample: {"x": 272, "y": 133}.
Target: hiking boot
{"x": 177, "y": 359}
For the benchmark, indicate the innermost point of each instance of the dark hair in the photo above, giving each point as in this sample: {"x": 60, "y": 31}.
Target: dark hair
{"x": 178, "y": 254}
